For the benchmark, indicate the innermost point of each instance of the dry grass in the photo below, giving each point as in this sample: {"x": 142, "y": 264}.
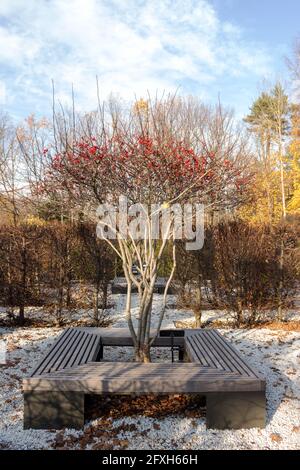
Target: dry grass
{"x": 272, "y": 325}
{"x": 284, "y": 326}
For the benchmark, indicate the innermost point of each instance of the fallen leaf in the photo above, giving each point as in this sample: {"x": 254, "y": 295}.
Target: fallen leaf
{"x": 276, "y": 438}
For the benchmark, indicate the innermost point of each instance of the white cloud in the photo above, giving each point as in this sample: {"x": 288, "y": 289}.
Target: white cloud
{"x": 132, "y": 45}
{"x": 2, "y": 93}
{"x": 15, "y": 48}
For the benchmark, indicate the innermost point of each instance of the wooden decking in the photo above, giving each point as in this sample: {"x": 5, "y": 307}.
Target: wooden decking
{"x": 54, "y": 394}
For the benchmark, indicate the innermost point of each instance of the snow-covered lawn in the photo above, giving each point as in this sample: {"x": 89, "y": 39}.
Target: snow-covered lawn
{"x": 275, "y": 353}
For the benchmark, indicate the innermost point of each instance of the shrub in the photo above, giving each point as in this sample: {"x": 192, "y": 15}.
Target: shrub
{"x": 251, "y": 274}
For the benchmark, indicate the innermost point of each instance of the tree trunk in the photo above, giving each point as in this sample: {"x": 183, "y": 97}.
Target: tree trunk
{"x": 104, "y": 294}
{"x": 96, "y": 305}
{"x": 239, "y": 314}
{"x": 142, "y": 352}
{"x": 198, "y": 318}
{"x": 197, "y": 309}
{"x": 21, "y": 319}
{"x": 60, "y": 302}
{"x": 281, "y": 263}
{"x": 268, "y": 171}
{"x": 280, "y": 306}
{"x": 282, "y": 188}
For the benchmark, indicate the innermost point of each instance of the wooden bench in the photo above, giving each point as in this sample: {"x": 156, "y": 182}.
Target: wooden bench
{"x": 228, "y": 408}
{"x": 54, "y": 394}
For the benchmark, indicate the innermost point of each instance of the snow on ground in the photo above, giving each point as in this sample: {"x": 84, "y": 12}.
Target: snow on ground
{"x": 275, "y": 353}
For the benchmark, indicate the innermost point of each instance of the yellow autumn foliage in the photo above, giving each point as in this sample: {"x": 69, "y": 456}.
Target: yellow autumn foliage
{"x": 294, "y": 203}
{"x": 264, "y": 200}
{"x": 141, "y": 106}
{"x": 35, "y": 221}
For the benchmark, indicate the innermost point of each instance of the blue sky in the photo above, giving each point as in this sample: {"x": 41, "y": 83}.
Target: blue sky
{"x": 203, "y": 47}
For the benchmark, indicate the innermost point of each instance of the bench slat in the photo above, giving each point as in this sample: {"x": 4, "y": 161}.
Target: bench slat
{"x": 56, "y": 347}
{"x": 71, "y": 352}
{"x": 196, "y": 354}
{"x": 205, "y": 347}
{"x": 139, "y": 378}
{"x": 73, "y": 347}
{"x": 230, "y": 359}
{"x": 236, "y": 355}
{"x": 217, "y": 348}
{"x": 94, "y": 349}
{"x": 79, "y": 359}
{"x": 59, "y": 357}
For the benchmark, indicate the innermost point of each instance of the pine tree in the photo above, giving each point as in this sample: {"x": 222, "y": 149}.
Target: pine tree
{"x": 268, "y": 120}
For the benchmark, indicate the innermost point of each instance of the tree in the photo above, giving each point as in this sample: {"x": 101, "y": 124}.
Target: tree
{"x": 61, "y": 239}
{"x": 10, "y": 185}
{"x": 280, "y": 111}
{"x": 294, "y": 66}
{"x": 264, "y": 201}
{"x": 269, "y": 121}
{"x": 248, "y": 278}
{"x": 21, "y": 260}
{"x": 294, "y": 150}
{"x": 99, "y": 267}
{"x": 193, "y": 274}
{"x": 145, "y": 160}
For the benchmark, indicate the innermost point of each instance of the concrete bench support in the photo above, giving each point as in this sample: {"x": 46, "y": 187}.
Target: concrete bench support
{"x": 236, "y": 410}
{"x": 53, "y": 410}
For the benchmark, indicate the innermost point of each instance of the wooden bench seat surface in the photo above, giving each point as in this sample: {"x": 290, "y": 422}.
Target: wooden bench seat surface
{"x": 211, "y": 349}
{"x": 70, "y": 365}
{"x": 126, "y": 378}
{"x": 72, "y": 348}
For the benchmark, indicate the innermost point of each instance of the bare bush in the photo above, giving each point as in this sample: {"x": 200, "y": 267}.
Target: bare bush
{"x": 247, "y": 278}
{"x": 193, "y": 273}
{"x": 98, "y": 269}
{"x": 21, "y": 267}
